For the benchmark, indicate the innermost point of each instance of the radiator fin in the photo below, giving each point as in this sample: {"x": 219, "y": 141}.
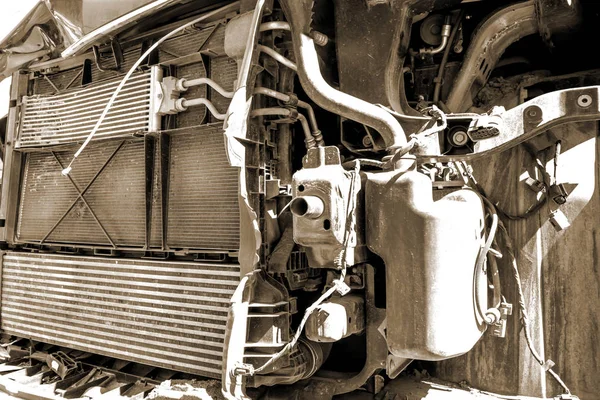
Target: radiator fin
{"x": 203, "y": 210}
{"x": 165, "y": 314}
{"x": 203, "y": 192}
{"x": 117, "y": 198}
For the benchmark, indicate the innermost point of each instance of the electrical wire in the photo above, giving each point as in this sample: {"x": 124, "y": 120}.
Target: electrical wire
{"x": 296, "y": 336}
{"x": 479, "y": 265}
{"x": 404, "y": 116}
{"x": 350, "y": 223}
{"x": 415, "y": 138}
{"x": 210, "y": 14}
{"x": 364, "y": 162}
{"x": 524, "y": 320}
{"x": 532, "y": 210}
{"x": 523, "y": 311}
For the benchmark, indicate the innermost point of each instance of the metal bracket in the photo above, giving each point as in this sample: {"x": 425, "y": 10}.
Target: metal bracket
{"x": 531, "y": 119}
{"x": 117, "y": 52}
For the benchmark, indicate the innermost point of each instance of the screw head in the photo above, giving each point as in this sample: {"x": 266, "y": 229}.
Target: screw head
{"x": 584, "y": 101}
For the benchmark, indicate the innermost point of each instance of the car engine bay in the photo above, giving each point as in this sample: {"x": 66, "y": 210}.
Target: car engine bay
{"x": 294, "y": 197}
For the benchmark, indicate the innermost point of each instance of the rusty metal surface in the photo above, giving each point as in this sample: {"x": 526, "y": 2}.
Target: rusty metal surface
{"x": 166, "y": 314}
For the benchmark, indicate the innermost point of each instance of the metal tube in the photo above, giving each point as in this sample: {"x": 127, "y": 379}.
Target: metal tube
{"x": 272, "y": 25}
{"x": 183, "y": 84}
{"x": 284, "y": 112}
{"x": 324, "y": 94}
{"x": 278, "y": 57}
{"x": 438, "y": 82}
{"x": 307, "y": 206}
{"x": 272, "y": 93}
{"x": 446, "y": 28}
{"x": 183, "y": 104}
{"x": 302, "y": 104}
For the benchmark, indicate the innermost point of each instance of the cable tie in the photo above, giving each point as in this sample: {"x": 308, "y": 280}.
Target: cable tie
{"x": 341, "y": 287}
{"x": 548, "y": 365}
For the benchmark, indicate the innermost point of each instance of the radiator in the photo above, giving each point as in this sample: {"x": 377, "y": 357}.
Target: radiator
{"x": 203, "y": 192}
{"x": 69, "y": 117}
{"x": 159, "y": 313}
{"x": 117, "y": 197}
{"x": 202, "y": 197}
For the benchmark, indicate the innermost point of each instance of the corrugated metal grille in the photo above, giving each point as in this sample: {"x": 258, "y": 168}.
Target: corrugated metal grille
{"x": 70, "y": 116}
{"x": 203, "y": 192}
{"x": 166, "y": 314}
{"x": 117, "y": 196}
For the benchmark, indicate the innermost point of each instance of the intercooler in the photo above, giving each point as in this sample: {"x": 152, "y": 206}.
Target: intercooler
{"x": 69, "y": 117}
{"x": 161, "y": 313}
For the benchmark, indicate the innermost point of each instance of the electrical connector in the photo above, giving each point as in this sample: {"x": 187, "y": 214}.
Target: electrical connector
{"x": 559, "y": 220}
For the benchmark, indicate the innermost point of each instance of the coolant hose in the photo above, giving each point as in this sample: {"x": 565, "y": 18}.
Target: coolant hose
{"x": 325, "y": 95}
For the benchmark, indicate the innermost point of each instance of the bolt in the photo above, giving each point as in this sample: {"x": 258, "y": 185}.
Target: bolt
{"x": 460, "y": 138}
{"x": 534, "y": 114}
{"x": 584, "y": 101}
{"x": 366, "y": 141}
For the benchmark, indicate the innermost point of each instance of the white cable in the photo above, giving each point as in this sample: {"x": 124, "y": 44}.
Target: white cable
{"x": 220, "y": 10}
{"x": 338, "y": 284}
{"x": 307, "y": 314}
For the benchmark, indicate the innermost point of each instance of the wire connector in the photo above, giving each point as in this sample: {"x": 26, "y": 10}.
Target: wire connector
{"x": 341, "y": 287}
{"x": 499, "y": 328}
{"x": 559, "y": 220}
{"x": 242, "y": 369}
{"x": 535, "y": 185}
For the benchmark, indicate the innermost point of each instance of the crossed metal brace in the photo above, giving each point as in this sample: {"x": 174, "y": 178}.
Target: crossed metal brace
{"x": 80, "y": 194}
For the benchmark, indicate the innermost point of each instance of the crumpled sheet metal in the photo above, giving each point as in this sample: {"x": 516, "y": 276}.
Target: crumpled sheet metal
{"x": 53, "y": 25}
